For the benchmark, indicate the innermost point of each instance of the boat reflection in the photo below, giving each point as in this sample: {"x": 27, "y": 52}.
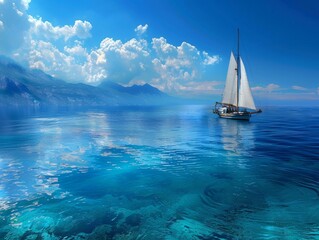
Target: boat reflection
{"x": 237, "y": 137}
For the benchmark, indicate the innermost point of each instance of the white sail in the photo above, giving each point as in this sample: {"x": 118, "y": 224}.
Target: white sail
{"x": 245, "y": 97}
{"x": 230, "y": 91}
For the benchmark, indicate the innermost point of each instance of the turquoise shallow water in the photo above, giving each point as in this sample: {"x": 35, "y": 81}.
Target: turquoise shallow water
{"x": 159, "y": 173}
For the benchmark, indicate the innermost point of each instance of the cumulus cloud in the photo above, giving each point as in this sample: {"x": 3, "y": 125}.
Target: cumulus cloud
{"x": 299, "y": 88}
{"x": 44, "y": 29}
{"x": 25, "y": 4}
{"x": 118, "y": 61}
{"x": 178, "y": 65}
{"x": 140, "y": 29}
{"x": 208, "y": 60}
{"x": 169, "y": 67}
{"x": 76, "y": 50}
{"x": 47, "y": 57}
{"x": 269, "y": 88}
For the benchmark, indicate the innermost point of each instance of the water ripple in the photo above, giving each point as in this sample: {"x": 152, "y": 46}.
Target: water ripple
{"x": 156, "y": 173}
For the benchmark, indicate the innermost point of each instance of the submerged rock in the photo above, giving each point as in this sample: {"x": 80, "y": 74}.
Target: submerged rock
{"x": 189, "y": 229}
{"x": 101, "y": 232}
{"x": 134, "y": 219}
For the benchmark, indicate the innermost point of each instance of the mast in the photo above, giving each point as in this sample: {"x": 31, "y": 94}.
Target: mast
{"x": 238, "y": 67}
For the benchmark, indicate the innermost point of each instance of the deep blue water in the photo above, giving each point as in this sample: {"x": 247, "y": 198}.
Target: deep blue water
{"x": 159, "y": 173}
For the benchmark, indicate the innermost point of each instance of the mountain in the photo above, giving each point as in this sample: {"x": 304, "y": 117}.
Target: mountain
{"x": 142, "y": 89}
{"x": 20, "y": 86}
{"x": 137, "y": 94}
{"x": 133, "y": 90}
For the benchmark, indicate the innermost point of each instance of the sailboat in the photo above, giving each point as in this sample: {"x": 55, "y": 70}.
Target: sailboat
{"x": 237, "y": 102}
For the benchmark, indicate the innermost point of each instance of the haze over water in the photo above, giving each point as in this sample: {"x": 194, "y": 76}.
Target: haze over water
{"x": 159, "y": 173}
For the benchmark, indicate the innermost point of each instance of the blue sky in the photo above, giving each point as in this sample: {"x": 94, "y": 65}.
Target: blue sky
{"x": 181, "y": 47}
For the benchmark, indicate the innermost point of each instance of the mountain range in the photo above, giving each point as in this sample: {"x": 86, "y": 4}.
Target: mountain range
{"x": 20, "y": 86}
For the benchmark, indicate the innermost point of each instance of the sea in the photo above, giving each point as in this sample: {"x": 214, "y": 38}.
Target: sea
{"x": 162, "y": 172}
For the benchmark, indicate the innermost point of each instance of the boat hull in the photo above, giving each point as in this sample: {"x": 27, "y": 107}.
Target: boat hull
{"x": 236, "y": 115}
{"x": 229, "y": 111}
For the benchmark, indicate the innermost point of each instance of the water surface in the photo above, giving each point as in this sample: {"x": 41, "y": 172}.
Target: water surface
{"x": 159, "y": 173}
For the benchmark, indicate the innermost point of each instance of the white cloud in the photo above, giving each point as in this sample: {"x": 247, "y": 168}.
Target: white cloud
{"x": 169, "y": 67}
{"x": 140, "y": 30}
{"x": 162, "y": 48}
{"x": 269, "y": 88}
{"x": 118, "y": 61}
{"x": 178, "y": 65}
{"x": 82, "y": 29}
{"x": 26, "y": 3}
{"x": 49, "y": 58}
{"x": 45, "y": 30}
{"x": 208, "y": 60}
{"x": 299, "y": 88}
{"x": 77, "y": 50}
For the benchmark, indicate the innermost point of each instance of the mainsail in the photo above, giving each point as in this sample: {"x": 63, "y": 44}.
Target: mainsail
{"x": 230, "y": 91}
{"x": 245, "y": 97}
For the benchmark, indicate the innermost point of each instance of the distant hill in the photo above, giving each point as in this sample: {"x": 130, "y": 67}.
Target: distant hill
{"x": 20, "y": 86}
